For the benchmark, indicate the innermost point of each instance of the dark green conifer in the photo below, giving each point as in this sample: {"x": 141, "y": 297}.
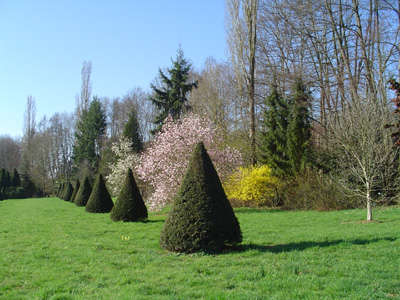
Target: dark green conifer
{"x": 299, "y": 129}
{"x": 132, "y": 132}
{"x": 83, "y": 194}
{"x": 100, "y": 200}
{"x": 273, "y": 144}
{"x": 5, "y": 180}
{"x": 201, "y": 218}
{"x": 76, "y": 189}
{"x": 15, "y": 179}
{"x": 58, "y": 187}
{"x": 171, "y": 97}
{"x": 129, "y": 206}
{"x": 69, "y": 189}
{"x": 61, "y": 190}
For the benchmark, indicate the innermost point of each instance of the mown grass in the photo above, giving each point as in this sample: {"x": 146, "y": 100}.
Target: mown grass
{"x": 51, "y": 249}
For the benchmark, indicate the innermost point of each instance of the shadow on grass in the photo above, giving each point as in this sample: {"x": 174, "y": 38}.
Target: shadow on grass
{"x": 303, "y": 245}
{"x": 246, "y": 210}
{"x": 153, "y": 221}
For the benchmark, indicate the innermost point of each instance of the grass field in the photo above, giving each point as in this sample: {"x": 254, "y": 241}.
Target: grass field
{"x": 51, "y": 249}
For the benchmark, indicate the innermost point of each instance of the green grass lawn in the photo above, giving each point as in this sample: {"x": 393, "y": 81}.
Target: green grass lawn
{"x": 51, "y": 249}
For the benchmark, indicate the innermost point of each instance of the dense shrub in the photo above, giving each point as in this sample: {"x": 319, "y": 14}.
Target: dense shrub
{"x": 76, "y": 189}
{"x": 100, "y": 200}
{"x": 201, "y": 218}
{"x": 253, "y": 186}
{"x": 29, "y": 186}
{"x": 68, "y": 191}
{"x": 315, "y": 190}
{"x": 83, "y": 194}
{"x": 129, "y": 206}
{"x": 16, "y": 192}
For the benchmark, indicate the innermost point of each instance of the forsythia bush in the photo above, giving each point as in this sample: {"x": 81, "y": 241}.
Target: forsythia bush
{"x": 253, "y": 185}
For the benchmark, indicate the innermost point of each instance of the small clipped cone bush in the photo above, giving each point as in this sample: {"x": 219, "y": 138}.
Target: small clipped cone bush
{"x": 76, "y": 189}
{"x": 82, "y": 196}
{"x": 68, "y": 192}
{"x": 201, "y": 218}
{"x": 129, "y": 206}
{"x": 58, "y": 190}
{"x": 100, "y": 200}
{"x": 61, "y": 191}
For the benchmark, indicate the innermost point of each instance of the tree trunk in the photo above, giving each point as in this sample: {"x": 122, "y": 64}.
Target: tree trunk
{"x": 369, "y": 208}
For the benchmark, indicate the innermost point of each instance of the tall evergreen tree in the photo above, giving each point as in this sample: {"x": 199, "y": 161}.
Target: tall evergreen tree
{"x": 299, "y": 129}
{"x": 5, "y": 180}
{"x": 132, "y": 132}
{"x": 273, "y": 146}
{"x": 172, "y": 97}
{"x": 88, "y": 136}
{"x": 15, "y": 179}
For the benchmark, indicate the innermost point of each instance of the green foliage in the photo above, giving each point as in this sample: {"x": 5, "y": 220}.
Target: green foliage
{"x": 172, "y": 97}
{"x": 100, "y": 200}
{"x": 254, "y": 185}
{"x": 88, "y": 136}
{"x": 83, "y": 193}
{"x": 129, "y": 206}
{"x": 76, "y": 189}
{"x": 132, "y": 132}
{"x": 16, "y": 192}
{"x": 5, "y": 180}
{"x": 273, "y": 142}
{"x": 201, "y": 218}
{"x": 299, "y": 129}
{"x": 15, "y": 179}
{"x": 28, "y": 185}
{"x": 68, "y": 191}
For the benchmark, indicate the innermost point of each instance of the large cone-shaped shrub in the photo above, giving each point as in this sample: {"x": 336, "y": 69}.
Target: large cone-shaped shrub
{"x": 76, "y": 189}
{"x": 129, "y": 206}
{"x": 82, "y": 196}
{"x": 68, "y": 192}
{"x": 100, "y": 200}
{"x": 201, "y": 218}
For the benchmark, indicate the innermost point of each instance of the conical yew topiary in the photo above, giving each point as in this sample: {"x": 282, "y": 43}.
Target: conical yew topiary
{"x": 61, "y": 191}
{"x": 201, "y": 218}
{"x": 82, "y": 196}
{"x": 129, "y": 206}
{"x": 68, "y": 192}
{"x": 100, "y": 200}
{"x": 76, "y": 189}
{"x": 58, "y": 190}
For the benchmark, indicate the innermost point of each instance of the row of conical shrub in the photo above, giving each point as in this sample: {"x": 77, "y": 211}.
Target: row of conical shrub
{"x": 201, "y": 218}
{"x": 129, "y": 205}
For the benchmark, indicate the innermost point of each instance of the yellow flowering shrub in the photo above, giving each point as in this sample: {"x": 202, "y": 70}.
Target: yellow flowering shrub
{"x": 253, "y": 185}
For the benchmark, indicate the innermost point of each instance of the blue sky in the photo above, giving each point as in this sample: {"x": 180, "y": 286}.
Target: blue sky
{"x": 43, "y": 45}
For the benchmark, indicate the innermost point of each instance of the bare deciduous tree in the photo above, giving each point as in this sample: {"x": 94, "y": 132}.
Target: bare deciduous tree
{"x": 242, "y": 39}
{"x": 367, "y": 165}
{"x": 10, "y": 153}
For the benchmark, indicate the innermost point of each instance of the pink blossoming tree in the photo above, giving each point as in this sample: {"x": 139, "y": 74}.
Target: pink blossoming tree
{"x": 163, "y": 164}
